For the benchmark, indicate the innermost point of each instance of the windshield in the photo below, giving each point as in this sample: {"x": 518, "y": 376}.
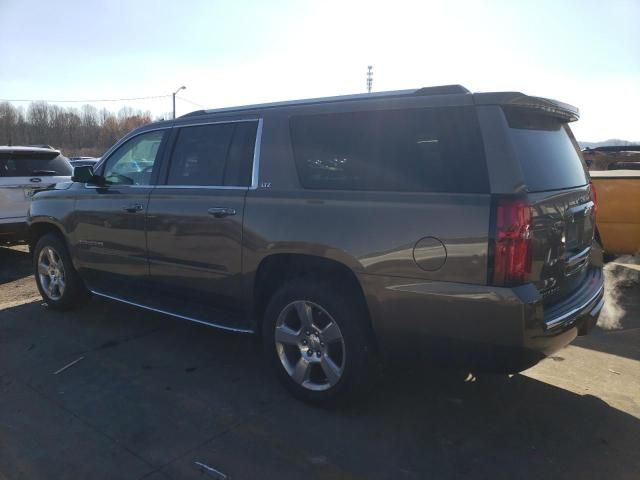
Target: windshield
{"x": 546, "y": 150}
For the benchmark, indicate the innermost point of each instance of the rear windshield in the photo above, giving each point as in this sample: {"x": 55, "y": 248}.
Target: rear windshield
{"x": 413, "y": 150}
{"x": 546, "y": 149}
{"x": 33, "y": 164}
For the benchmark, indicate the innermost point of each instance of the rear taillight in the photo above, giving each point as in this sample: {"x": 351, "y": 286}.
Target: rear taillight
{"x": 512, "y": 244}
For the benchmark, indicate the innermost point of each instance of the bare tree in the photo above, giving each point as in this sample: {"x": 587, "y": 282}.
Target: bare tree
{"x": 84, "y": 132}
{"x": 8, "y": 124}
{"x": 38, "y": 118}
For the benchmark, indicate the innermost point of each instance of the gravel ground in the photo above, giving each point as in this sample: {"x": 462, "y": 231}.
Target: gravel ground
{"x": 156, "y": 398}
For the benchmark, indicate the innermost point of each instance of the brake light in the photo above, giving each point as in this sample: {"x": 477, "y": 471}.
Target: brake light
{"x": 512, "y": 249}
{"x": 594, "y": 198}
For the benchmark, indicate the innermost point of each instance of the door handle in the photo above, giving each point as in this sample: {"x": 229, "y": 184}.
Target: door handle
{"x": 136, "y": 207}
{"x": 221, "y": 212}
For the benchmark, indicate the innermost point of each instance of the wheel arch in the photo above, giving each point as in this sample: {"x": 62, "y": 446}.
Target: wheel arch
{"x": 41, "y": 227}
{"x": 279, "y": 268}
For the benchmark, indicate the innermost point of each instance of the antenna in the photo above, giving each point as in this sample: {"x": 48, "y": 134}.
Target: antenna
{"x": 369, "y": 78}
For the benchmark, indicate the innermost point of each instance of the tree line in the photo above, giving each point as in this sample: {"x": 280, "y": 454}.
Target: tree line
{"x": 84, "y": 131}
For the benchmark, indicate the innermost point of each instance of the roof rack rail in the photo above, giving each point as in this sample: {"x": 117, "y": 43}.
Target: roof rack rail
{"x": 442, "y": 90}
{"x": 425, "y": 91}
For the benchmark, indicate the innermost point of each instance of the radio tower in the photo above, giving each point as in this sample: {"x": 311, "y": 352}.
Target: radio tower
{"x": 369, "y": 78}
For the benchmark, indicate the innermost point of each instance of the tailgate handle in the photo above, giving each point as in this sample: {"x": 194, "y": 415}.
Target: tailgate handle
{"x": 221, "y": 212}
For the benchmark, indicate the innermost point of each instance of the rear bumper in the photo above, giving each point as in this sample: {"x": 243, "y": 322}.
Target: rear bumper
{"x": 13, "y": 230}
{"x": 484, "y": 327}
{"x": 562, "y": 322}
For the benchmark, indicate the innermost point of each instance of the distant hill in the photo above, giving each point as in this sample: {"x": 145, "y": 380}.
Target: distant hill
{"x": 613, "y": 142}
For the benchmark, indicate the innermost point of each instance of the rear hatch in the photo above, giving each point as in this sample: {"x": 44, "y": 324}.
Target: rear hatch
{"x": 560, "y": 198}
{"x": 24, "y": 171}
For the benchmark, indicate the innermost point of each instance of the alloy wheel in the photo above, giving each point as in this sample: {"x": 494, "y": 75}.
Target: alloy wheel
{"x": 310, "y": 345}
{"x": 51, "y": 273}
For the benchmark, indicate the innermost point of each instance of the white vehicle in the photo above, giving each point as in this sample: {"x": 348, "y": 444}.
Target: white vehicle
{"x": 24, "y": 171}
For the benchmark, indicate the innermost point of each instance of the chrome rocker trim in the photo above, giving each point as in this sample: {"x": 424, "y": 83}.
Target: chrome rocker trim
{"x": 165, "y": 312}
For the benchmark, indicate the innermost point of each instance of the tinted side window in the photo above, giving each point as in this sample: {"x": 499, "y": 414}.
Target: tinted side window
{"x": 416, "y": 150}
{"x": 240, "y": 161}
{"x": 213, "y": 155}
{"x": 200, "y": 155}
{"x": 30, "y": 164}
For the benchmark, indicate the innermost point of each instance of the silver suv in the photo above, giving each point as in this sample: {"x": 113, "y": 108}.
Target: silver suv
{"x": 24, "y": 171}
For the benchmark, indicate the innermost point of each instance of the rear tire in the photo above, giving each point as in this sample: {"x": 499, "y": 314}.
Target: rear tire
{"x": 58, "y": 282}
{"x": 317, "y": 341}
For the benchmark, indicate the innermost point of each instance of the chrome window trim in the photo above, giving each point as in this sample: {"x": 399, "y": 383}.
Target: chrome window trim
{"x": 199, "y": 187}
{"x": 166, "y": 312}
{"x": 256, "y": 158}
{"x": 255, "y": 168}
{"x": 215, "y": 122}
{"x": 117, "y": 185}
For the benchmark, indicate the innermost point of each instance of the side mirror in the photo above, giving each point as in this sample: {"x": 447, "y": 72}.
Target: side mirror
{"x": 84, "y": 174}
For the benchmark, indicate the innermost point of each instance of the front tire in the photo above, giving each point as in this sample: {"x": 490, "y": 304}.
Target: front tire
{"x": 58, "y": 282}
{"x": 316, "y": 339}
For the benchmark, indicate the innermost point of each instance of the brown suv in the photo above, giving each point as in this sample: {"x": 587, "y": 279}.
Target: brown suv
{"x": 430, "y": 221}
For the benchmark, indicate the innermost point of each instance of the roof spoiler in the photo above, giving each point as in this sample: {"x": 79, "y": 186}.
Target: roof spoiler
{"x": 41, "y": 145}
{"x": 21, "y": 152}
{"x": 562, "y": 110}
{"x": 193, "y": 114}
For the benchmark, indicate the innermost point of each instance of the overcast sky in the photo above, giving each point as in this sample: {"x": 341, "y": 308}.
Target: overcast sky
{"x": 583, "y": 52}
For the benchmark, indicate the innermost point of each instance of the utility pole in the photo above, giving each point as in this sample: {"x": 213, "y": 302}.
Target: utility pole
{"x": 174, "y": 99}
{"x": 369, "y": 78}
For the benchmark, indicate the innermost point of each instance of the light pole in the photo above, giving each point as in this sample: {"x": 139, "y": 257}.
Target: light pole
{"x": 174, "y": 99}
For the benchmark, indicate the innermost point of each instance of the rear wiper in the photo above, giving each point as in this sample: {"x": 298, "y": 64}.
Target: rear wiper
{"x": 44, "y": 173}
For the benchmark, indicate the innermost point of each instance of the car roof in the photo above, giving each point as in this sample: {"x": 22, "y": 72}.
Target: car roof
{"x": 457, "y": 94}
{"x": 516, "y": 99}
{"x": 438, "y": 90}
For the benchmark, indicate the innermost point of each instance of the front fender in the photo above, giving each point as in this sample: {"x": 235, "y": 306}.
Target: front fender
{"x": 50, "y": 211}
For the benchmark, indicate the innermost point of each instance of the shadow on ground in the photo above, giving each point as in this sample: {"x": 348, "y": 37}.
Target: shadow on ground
{"x": 153, "y": 395}
{"x": 14, "y": 264}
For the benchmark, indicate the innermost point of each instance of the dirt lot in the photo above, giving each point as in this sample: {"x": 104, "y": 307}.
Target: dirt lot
{"x": 158, "y": 398}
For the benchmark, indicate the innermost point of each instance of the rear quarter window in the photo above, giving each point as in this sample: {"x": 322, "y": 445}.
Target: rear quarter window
{"x": 548, "y": 154}
{"x": 412, "y": 150}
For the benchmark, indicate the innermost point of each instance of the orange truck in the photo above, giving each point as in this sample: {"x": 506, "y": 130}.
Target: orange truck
{"x": 618, "y": 210}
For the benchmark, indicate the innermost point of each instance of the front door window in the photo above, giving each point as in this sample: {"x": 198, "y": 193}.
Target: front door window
{"x": 133, "y": 163}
